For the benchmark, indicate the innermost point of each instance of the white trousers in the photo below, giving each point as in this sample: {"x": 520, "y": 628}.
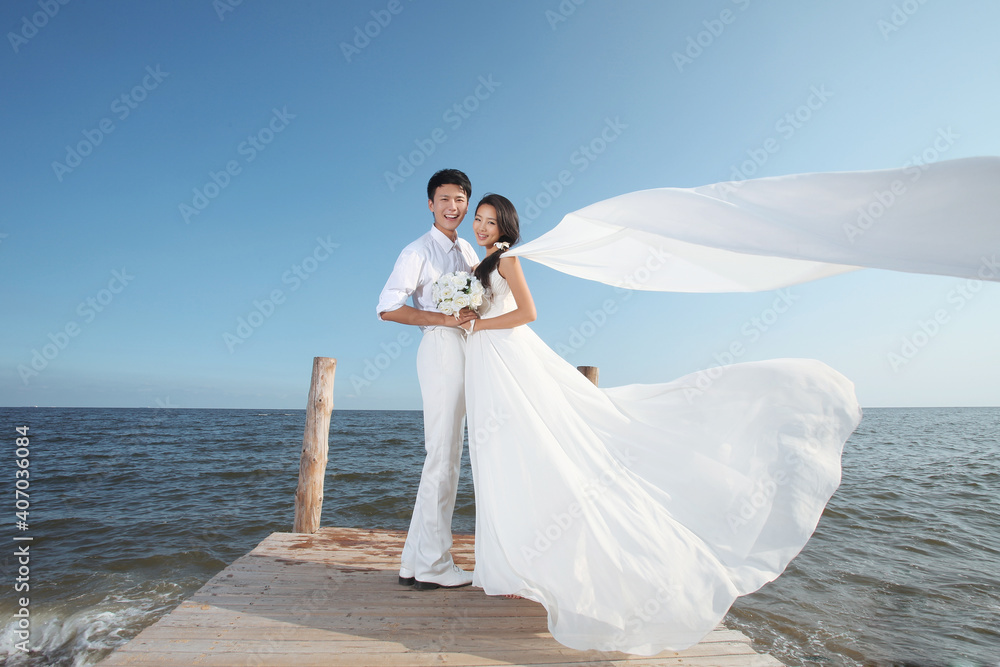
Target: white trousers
{"x": 441, "y": 371}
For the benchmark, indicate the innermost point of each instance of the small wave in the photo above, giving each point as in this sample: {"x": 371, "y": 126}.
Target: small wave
{"x": 367, "y": 476}
{"x": 401, "y": 441}
{"x": 199, "y": 557}
{"x": 257, "y": 473}
{"x": 83, "y": 637}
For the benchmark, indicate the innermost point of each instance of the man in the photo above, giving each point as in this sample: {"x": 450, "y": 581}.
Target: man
{"x": 426, "y": 562}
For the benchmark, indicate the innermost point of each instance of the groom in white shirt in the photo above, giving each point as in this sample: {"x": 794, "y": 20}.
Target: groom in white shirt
{"x": 426, "y": 561}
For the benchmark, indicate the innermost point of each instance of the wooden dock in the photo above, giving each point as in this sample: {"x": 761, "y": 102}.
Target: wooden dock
{"x": 331, "y": 598}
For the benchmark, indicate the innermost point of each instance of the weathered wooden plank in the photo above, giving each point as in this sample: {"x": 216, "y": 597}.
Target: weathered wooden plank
{"x": 391, "y": 653}
{"x": 331, "y": 598}
{"x": 344, "y": 642}
{"x": 171, "y": 659}
{"x": 210, "y": 616}
{"x": 343, "y": 621}
{"x": 402, "y": 613}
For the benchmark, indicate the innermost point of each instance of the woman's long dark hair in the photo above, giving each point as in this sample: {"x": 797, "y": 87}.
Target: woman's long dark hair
{"x": 510, "y": 232}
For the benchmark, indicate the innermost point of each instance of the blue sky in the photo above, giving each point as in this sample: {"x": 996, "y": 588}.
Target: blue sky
{"x": 201, "y": 196}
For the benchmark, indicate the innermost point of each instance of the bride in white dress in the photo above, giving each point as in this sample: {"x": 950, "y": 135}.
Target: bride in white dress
{"x": 637, "y": 514}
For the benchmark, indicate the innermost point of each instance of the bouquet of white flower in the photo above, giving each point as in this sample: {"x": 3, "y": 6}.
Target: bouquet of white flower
{"x": 457, "y": 290}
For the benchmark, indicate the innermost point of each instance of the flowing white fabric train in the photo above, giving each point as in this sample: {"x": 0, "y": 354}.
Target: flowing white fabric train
{"x": 636, "y": 515}
{"x": 766, "y": 233}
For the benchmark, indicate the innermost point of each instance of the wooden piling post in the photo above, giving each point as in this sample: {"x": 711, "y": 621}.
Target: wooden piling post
{"x": 590, "y": 372}
{"x": 315, "y": 445}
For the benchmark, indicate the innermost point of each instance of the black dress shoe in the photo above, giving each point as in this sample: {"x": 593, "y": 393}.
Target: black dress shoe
{"x": 406, "y": 581}
{"x": 430, "y": 585}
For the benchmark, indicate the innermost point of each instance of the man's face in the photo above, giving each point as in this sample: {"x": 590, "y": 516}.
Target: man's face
{"x": 449, "y": 206}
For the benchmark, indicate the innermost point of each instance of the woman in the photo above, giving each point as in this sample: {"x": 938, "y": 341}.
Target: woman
{"x": 637, "y": 514}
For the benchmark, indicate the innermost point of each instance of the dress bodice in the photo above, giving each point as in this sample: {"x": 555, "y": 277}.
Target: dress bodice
{"x": 499, "y": 299}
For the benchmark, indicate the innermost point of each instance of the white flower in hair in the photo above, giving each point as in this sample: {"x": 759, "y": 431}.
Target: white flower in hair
{"x": 503, "y": 245}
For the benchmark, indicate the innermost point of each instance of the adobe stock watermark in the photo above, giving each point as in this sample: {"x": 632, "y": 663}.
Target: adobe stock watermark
{"x": 642, "y": 614}
{"x": 375, "y": 365}
{"x": 786, "y": 126}
{"x": 900, "y": 16}
{"x": 596, "y": 319}
{"x": 31, "y": 25}
{"x": 562, "y": 12}
{"x": 317, "y": 601}
{"x": 122, "y": 107}
{"x": 581, "y": 158}
{"x": 750, "y": 332}
{"x": 223, "y": 7}
{"x": 263, "y": 309}
{"x": 800, "y": 452}
{"x": 489, "y": 427}
{"x": 561, "y": 522}
{"x": 20, "y": 625}
{"x": 697, "y": 44}
{"x": 454, "y": 116}
{"x": 459, "y": 623}
{"x": 928, "y": 329}
{"x": 86, "y": 485}
{"x": 882, "y": 200}
{"x": 249, "y": 149}
{"x": 88, "y": 310}
{"x": 363, "y": 35}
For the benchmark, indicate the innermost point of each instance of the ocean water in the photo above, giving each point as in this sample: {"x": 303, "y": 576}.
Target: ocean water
{"x": 132, "y": 510}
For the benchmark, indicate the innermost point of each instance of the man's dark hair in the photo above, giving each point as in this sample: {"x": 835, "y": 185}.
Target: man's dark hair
{"x": 448, "y": 177}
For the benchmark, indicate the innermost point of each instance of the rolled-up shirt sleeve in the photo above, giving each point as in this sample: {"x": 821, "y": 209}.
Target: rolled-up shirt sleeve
{"x": 402, "y": 282}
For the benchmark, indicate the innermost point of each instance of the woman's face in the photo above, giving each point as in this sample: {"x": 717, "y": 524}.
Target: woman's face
{"x": 485, "y": 226}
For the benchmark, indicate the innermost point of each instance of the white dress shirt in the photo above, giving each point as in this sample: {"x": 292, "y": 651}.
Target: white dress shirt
{"x": 419, "y": 265}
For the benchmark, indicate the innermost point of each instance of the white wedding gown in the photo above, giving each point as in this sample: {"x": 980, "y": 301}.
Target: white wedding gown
{"x": 637, "y": 514}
